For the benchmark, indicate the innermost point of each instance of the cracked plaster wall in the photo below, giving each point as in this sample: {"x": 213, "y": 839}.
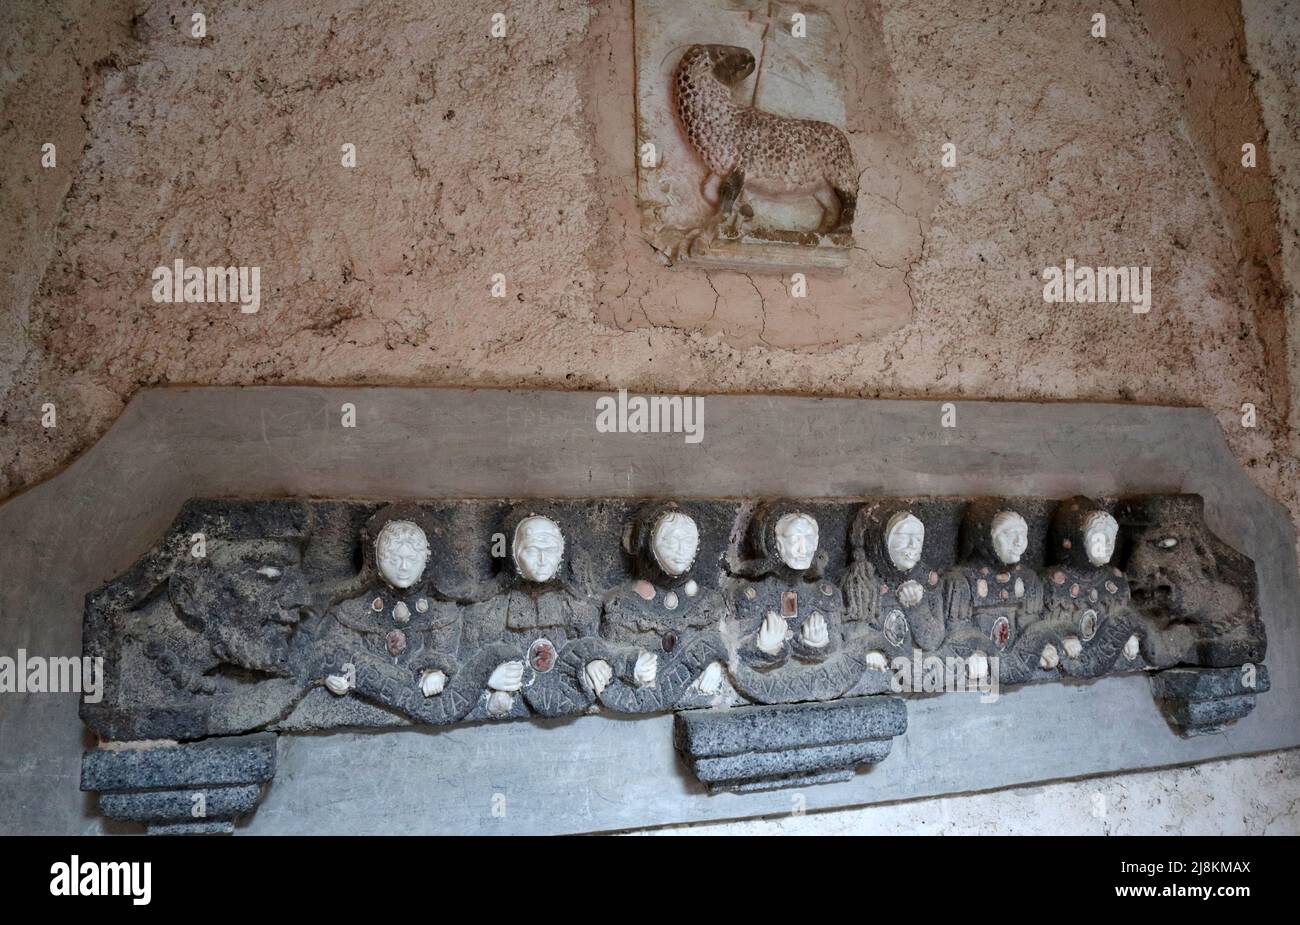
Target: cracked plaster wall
{"x": 479, "y": 155}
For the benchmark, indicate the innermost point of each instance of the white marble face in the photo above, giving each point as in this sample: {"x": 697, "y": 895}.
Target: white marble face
{"x": 904, "y": 537}
{"x": 675, "y": 541}
{"x": 538, "y": 548}
{"x": 1099, "y": 532}
{"x": 1010, "y": 536}
{"x": 796, "y": 540}
{"x": 401, "y": 553}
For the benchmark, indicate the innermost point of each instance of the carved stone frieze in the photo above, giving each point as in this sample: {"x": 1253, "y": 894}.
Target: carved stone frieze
{"x": 783, "y": 632}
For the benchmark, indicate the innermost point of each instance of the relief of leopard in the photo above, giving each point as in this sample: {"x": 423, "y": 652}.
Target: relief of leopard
{"x": 746, "y": 148}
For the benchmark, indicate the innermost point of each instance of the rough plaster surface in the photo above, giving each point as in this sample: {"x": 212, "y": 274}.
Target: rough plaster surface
{"x": 478, "y": 157}
{"x": 1272, "y": 30}
{"x": 1240, "y": 796}
{"x": 52, "y": 57}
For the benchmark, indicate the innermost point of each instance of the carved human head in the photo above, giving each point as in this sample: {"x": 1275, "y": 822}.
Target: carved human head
{"x": 538, "y": 548}
{"x": 904, "y": 537}
{"x": 1010, "y": 536}
{"x": 249, "y": 605}
{"x": 796, "y": 539}
{"x": 674, "y": 542}
{"x": 1099, "y": 532}
{"x": 401, "y": 553}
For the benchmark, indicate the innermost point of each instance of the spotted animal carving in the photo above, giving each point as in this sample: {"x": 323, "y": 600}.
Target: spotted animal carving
{"x": 744, "y": 148}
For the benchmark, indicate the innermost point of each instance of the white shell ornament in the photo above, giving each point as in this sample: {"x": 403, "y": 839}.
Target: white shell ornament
{"x": 895, "y": 628}
{"x": 500, "y": 703}
{"x": 338, "y": 684}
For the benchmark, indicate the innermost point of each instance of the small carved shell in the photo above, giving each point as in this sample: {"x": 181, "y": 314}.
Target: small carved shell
{"x": 896, "y": 627}
{"x": 500, "y": 703}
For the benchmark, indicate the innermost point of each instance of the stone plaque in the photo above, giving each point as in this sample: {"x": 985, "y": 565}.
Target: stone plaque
{"x": 744, "y": 160}
{"x": 787, "y": 635}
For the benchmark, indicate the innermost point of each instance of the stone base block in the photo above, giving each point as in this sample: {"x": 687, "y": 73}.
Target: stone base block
{"x": 753, "y": 748}
{"x": 1197, "y": 701}
{"x": 195, "y": 788}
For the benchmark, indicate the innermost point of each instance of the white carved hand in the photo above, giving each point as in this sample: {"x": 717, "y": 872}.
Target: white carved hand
{"x": 508, "y": 676}
{"x": 814, "y": 632}
{"x": 910, "y": 593}
{"x": 647, "y": 666}
{"x": 1050, "y": 657}
{"x": 771, "y": 637}
{"x": 1131, "y": 648}
{"x": 433, "y": 682}
{"x": 599, "y": 674}
{"x": 1072, "y": 646}
{"x": 876, "y": 661}
{"x": 978, "y": 666}
{"x": 338, "y": 684}
{"x": 711, "y": 681}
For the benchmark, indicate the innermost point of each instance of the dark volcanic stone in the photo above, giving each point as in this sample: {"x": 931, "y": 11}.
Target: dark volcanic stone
{"x": 237, "y": 760}
{"x": 791, "y": 761}
{"x": 785, "y": 745}
{"x": 207, "y": 827}
{"x": 219, "y": 803}
{"x": 753, "y": 728}
{"x": 1207, "y": 683}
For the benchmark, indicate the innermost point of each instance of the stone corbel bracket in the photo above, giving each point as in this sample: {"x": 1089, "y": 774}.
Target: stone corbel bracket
{"x": 199, "y": 788}
{"x": 748, "y": 749}
{"x": 1197, "y": 701}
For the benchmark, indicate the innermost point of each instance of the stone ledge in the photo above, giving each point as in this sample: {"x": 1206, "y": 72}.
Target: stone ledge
{"x": 189, "y": 789}
{"x": 753, "y": 748}
{"x": 1197, "y": 701}
{"x": 212, "y": 763}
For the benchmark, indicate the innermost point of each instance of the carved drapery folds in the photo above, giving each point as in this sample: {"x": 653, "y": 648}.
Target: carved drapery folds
{"x": 288, "y": 615}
